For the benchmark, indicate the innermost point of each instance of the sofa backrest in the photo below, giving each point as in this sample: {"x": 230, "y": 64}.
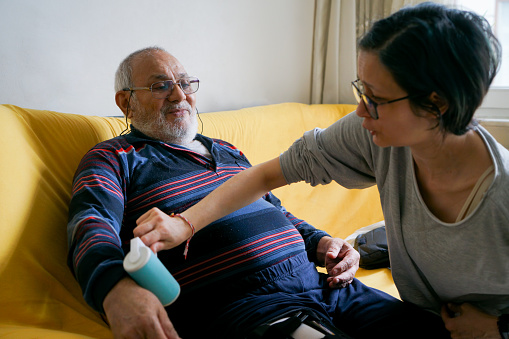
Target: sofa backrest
{"x": 40, "y": 152}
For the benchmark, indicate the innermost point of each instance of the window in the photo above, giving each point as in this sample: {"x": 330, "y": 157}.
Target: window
{"x": 496, "y": 103}
{"x": 502, "y": 32}
{"x": 494, "y": 11}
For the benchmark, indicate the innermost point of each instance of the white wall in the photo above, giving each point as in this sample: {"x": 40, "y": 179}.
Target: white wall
{"x": 61, "y": 55}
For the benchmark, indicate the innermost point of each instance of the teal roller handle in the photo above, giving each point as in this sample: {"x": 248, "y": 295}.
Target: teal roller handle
{"x": 149, "y": 272}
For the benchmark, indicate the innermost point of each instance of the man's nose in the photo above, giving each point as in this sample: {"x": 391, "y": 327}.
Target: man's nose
{"x": 177, "y": 94}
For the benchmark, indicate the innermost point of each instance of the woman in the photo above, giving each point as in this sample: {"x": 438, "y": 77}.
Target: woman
{"x": 443, "y": 180}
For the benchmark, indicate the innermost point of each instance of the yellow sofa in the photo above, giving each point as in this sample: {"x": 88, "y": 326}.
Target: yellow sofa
{"x": 39, "y": 297}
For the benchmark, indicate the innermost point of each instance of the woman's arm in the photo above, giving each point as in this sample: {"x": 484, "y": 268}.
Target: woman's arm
{"x": 241, "y": 190}
{"x": 158, "y": 231}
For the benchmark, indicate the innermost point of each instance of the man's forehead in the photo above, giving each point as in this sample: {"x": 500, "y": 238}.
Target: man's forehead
{"x": 157, "y": 66}
{"x": 164, "y": 76}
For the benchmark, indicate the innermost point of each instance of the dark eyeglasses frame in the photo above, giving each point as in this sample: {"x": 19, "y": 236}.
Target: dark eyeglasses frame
{"x": 171, "y": 85}
{"x": 370, "y": 104}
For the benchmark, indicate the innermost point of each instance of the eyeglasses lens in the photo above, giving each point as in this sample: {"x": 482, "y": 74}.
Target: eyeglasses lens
{"x": 162, "y": 89}
{"x": 358, "y": 91}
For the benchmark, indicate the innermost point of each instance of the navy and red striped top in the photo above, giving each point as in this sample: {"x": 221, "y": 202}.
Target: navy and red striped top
{"x": 120, "y": 179}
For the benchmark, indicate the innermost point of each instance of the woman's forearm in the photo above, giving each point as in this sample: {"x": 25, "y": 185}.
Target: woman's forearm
{"x": 241, "y": 190}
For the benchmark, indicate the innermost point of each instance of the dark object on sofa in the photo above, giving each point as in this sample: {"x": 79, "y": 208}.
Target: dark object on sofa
{"x": 372, "y": 246}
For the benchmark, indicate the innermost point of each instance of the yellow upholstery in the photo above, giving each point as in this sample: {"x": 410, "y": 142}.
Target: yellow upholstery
{"x": 39, "y": 298}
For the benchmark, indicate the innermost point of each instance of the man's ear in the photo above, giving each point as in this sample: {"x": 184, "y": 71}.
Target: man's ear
{"x": 122, "y": 100}
{"x": 439, "y": 102}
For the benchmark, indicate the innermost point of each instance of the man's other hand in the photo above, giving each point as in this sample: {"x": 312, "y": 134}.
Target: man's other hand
{"x": 340, "y": 259}
{"x": 134, "y": 312}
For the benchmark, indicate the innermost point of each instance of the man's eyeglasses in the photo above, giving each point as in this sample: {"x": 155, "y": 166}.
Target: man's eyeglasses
{"x": 370, "y": 104}
{"x": 163, "y": 89}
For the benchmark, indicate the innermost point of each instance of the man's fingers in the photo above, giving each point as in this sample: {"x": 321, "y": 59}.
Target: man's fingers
{"x": 346, "y": 275}
{"x": 344, "y": 265}
{"x": 339, "y": 250}
{"x": 333, "y": 250}
{"x": 157, "y": 331}
{"x": 338, "y": 282}
{"x": 167, "y": 327}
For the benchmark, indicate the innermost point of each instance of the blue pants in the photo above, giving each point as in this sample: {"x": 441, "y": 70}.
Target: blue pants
{"x": 295, "y": 284}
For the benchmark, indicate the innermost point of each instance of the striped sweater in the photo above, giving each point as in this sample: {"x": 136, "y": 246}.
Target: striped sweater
{"x": 120, "y": 179}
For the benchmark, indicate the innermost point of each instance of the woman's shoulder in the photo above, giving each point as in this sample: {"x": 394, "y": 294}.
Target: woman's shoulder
{"x": 499, "y": 154}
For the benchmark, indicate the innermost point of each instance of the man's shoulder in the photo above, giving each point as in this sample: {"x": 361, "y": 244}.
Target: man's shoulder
{"x": 115, "y": 145}
{"x": 105, "y": 154}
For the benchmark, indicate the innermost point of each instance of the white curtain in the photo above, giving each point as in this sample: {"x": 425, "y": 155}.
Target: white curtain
{"x": 338, "y": 25}
{"x": 369, "y": 11}
{"x": 334, "y": 56}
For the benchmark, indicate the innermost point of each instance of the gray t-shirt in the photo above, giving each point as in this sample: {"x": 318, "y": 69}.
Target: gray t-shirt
{"x": 432, "y": 262}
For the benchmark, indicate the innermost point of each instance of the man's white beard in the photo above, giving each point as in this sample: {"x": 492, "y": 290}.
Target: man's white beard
{"x": 156, "y": 126}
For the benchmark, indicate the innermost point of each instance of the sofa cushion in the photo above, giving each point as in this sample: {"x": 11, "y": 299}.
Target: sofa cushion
{"x": 40, "y": 153}
{"x": 42, "y": 149}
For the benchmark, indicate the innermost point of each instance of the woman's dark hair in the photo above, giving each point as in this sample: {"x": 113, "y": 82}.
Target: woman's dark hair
{"x": 431, "y": 48}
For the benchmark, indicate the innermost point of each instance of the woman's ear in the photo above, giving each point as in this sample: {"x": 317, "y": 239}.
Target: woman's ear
{"x": 439, "y": 102}
{"x": 122, "y": 98}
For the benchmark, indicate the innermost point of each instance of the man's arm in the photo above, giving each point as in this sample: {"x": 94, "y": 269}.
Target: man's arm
{"x": 96, "y": 256}
{"x": 95, "y": 215}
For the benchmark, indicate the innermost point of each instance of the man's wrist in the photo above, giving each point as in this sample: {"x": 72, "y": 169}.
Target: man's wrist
{"x": 123, "y": 283}
{"x": 503, "y": 325}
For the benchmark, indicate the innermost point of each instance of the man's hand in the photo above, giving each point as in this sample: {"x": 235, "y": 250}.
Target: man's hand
{"x": 466, "y": 321}
{"x": 134, "y": 312}
{"x": 340, "y": 259}
{"x": 159, "y": 231}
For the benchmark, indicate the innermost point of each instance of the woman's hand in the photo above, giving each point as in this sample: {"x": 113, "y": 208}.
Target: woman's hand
{"x": 340, "y": 259}
{"x": 466, "y": 321}
{"x": 159, "y": 231}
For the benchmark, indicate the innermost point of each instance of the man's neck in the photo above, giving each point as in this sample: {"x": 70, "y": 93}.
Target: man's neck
{"x": 198, "y": 147}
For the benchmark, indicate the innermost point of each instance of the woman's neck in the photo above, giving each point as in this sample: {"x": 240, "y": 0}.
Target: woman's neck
{"x": 447, "y": 173}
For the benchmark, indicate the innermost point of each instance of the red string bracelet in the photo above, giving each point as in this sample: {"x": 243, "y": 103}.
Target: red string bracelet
{"x": 192, "y": 230}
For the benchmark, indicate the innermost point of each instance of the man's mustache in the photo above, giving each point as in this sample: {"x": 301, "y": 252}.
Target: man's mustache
{"x": 170, "y": 108}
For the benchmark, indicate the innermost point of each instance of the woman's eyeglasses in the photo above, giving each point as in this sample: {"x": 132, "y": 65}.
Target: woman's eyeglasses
{"x": 370, "y": 104}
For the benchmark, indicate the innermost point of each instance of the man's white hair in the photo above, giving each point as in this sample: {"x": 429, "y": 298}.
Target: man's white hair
{"x": 123, "y": 75}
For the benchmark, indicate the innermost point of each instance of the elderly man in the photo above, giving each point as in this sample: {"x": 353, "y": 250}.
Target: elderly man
{"x": 248, "y": 269}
